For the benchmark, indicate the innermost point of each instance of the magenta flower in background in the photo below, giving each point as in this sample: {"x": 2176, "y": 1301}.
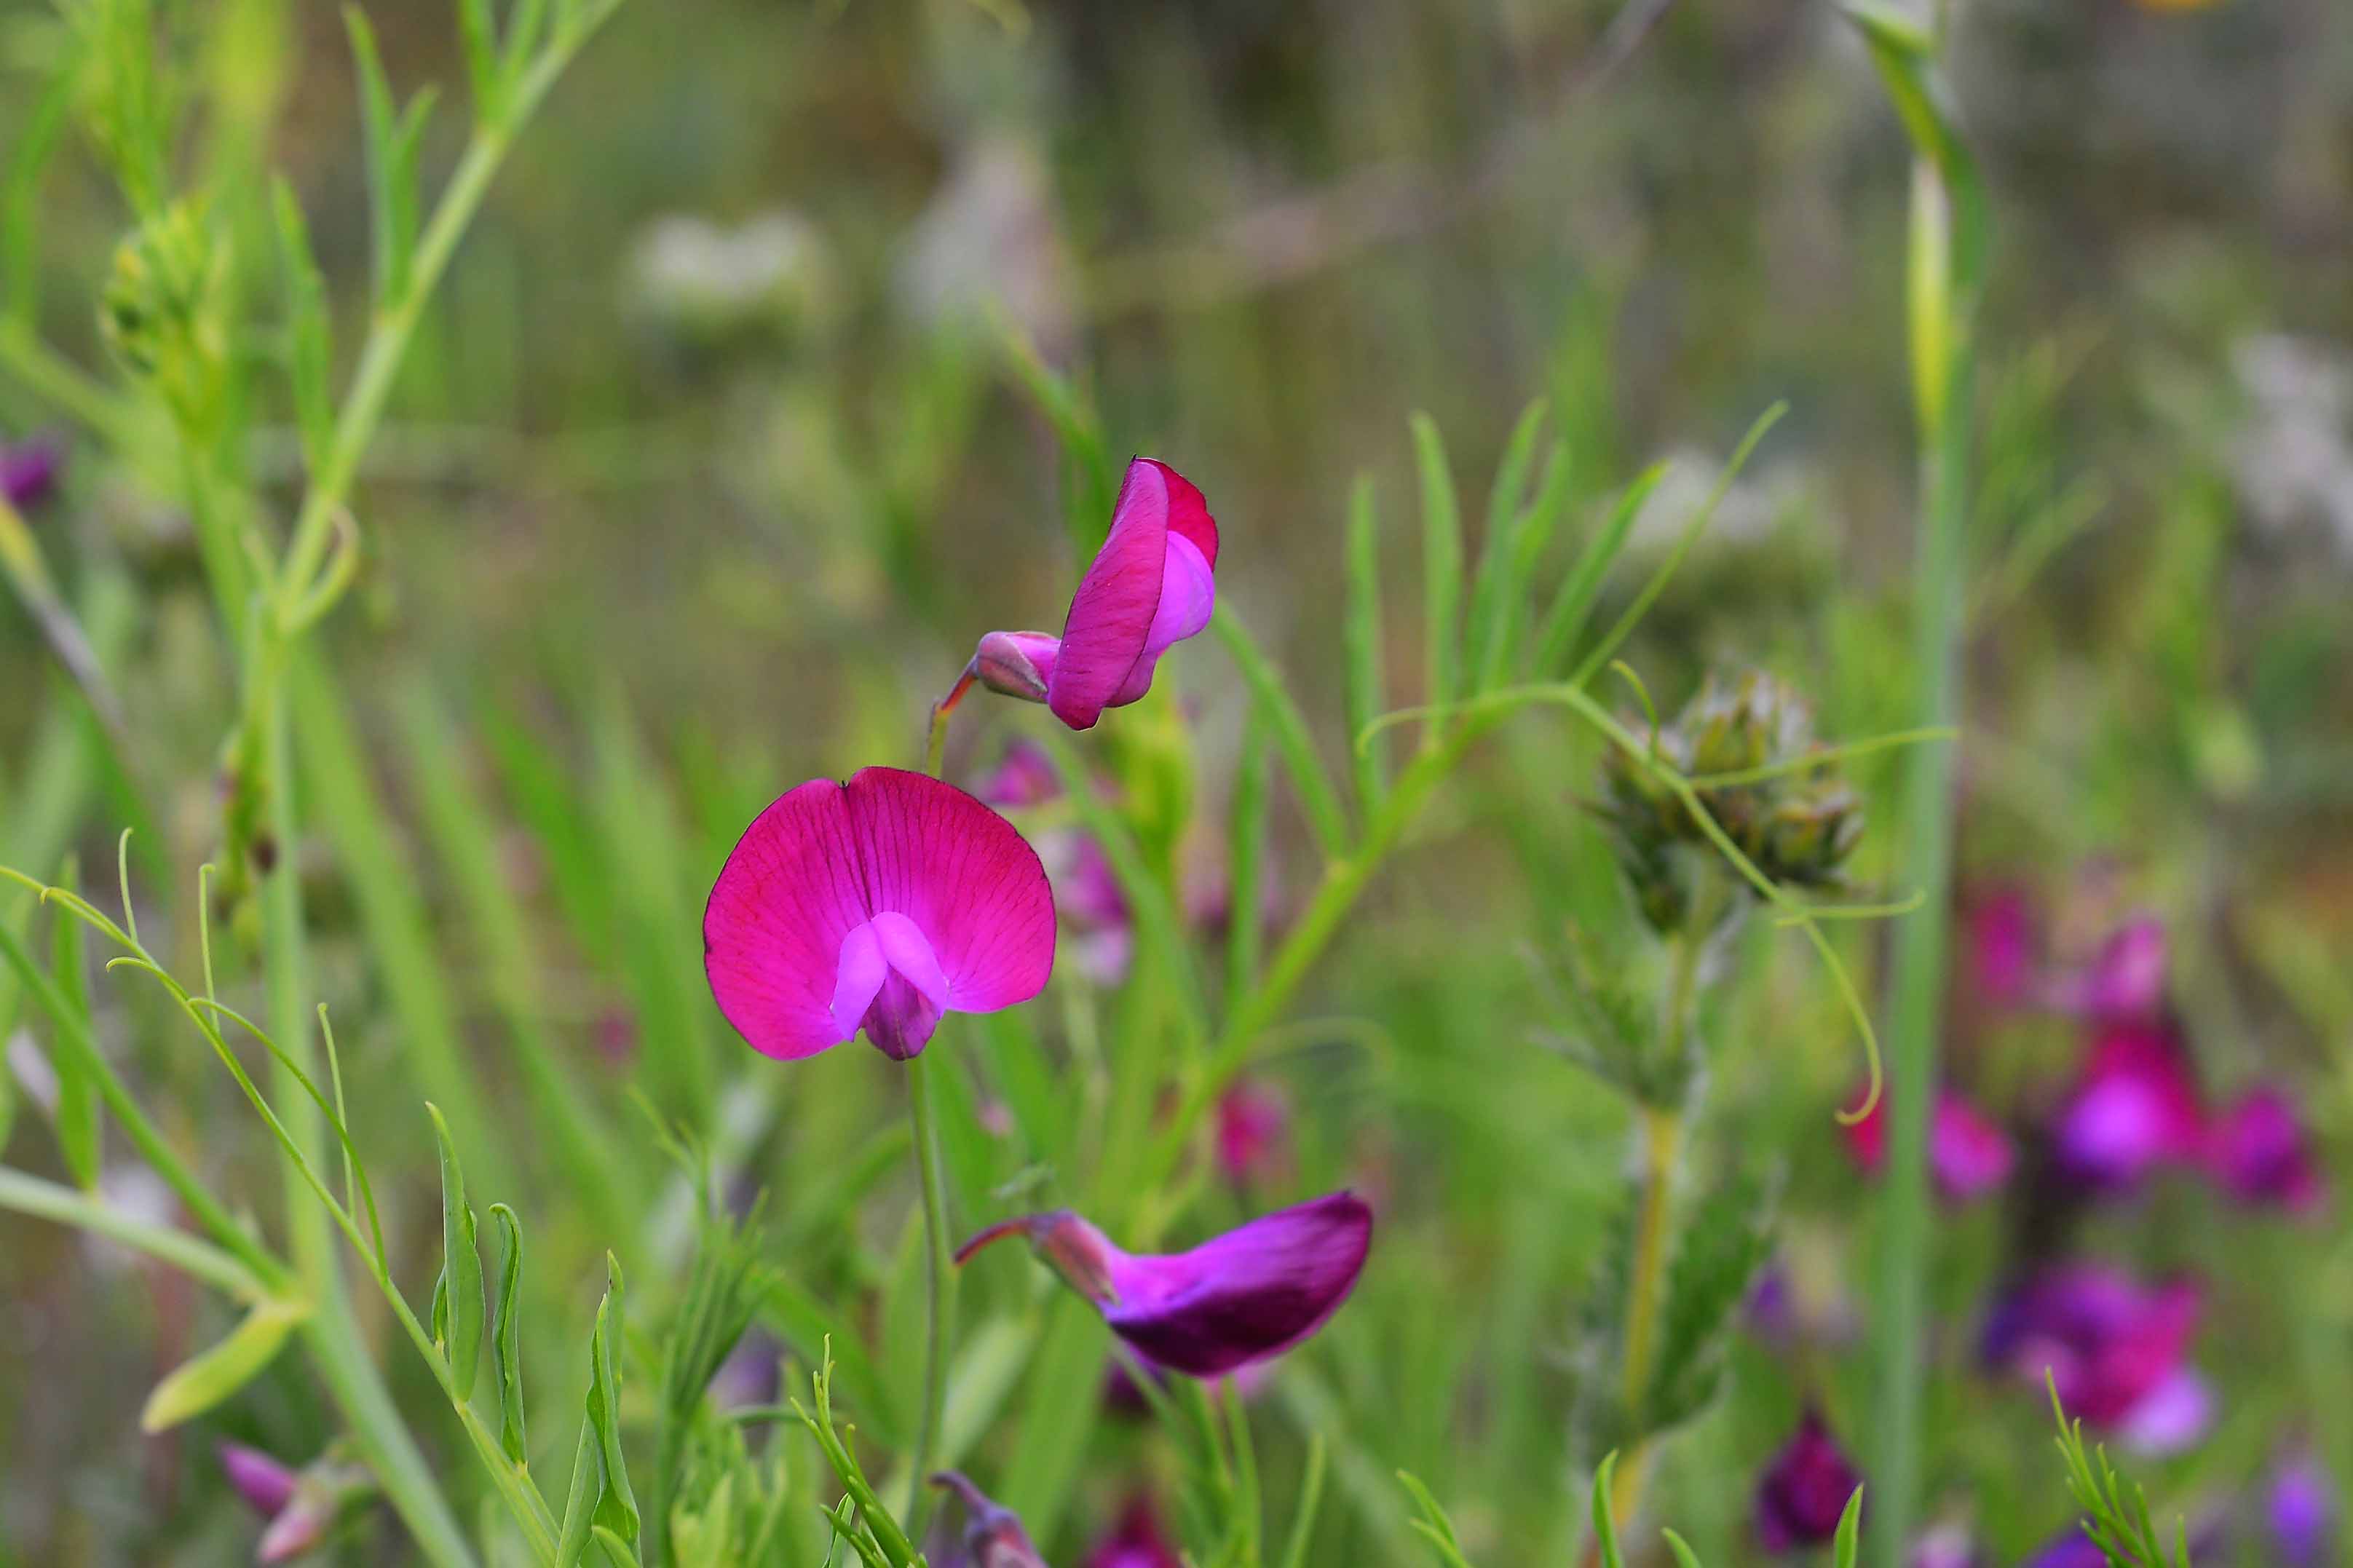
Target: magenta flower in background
{"x": 266, "y": 1485}
{"x": 2259, "y": 1151}
{"x": 2299, "y": 1513}
{"x": 1152, "y": 586}
{"x": 1804, "y": 1489}
{"x": 2005, "y": 943}
{"x": 1234, "y": 1300}
{"x": 1024, "y": 776}
{"x": 2116, "y": 1351}
{"x": 28, "y": 471}
{"x": 1253, "y": 1131}
{"x": 993, "y": 1536}
{"x": 300, "y": 1507}
{"x": 1137, "y": 1541}
{"x": 877, "y": 904}
{"x": 2073, "y": 1550}
{"x": 1968, "y": 1153}
{"x": 1946, "y": 1546}
{"x": 2126, "y": 981}
{"x": 2135, "y": 1106}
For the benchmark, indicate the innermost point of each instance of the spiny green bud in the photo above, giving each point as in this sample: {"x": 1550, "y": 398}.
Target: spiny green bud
{"x": 1796, "y": 825}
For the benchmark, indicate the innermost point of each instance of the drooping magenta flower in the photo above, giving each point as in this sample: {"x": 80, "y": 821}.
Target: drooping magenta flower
{"x": 1804, "y": 1489}
{"x": 993, "y": 1536}
{"x": 1234, "y": 1300}
{"x": 28, "y": 471}
{"x": 1968, "y": 1153}
{"x": 2116, "y": 1351}
{"x": 1137, "y": 1541}
{"x": 1151, "y": 584}
{"x": 2260, "y": 1153}
{"x": 877, "y": 904}
{"x": 2135, "y": 1106}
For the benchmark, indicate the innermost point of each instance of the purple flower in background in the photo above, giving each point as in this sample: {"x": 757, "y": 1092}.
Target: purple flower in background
{"x": 993, "y": 1536}
{"x": 2299, "y": 1511}
{"x": 28, "y": 471}
{"x": 1804, "y": 1489}
{"x": 2124, "y": 982}
{"x": 2134, "y": 1106}
{"x": 2005, "y": 943}
{"x": 1238, "y": 1299}
{"x": 1023, "y": 777}
{"x": 266, "y": 1485}
{"x": 1253, "y": 1130}
{"x": 1945, "y": 1546}
{"x": 1137, "y": 1541}
{"x": 1152, "y": 586}
{"x": 2073, "y": 1550}
{"x": 301, "y": 1509}
{"x": 2116, "y": 1351}
{"x": 879, "y": 904}
{"x": 1968, "y": 1153}
{"x": 2259, "y": 1151}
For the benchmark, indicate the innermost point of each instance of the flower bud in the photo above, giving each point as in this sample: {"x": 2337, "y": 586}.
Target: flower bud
{"x": 1016, "y": 664}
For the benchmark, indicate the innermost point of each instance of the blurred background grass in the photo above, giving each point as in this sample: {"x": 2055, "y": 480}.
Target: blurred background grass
{"x": 707, "y": 470}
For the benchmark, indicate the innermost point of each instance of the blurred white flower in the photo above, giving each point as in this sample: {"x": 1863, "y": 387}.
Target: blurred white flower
{"x": 2291, "y": 459}
{"x": 990, "y": 239}
{"x": 705, "y": 282}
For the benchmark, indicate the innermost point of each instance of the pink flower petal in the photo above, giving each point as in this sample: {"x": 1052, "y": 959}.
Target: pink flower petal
{"x": 1109, "y": 647}
{"x": 880, "y": 904}
{"x": 791, "y": 892}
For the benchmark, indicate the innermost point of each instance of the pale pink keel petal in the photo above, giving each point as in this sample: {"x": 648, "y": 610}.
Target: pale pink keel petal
{"x": 791, "y": 891}
{"x": 965, "y": 878}
{"x": 1188, "y": 594}
{"x": 1112, "y": 613}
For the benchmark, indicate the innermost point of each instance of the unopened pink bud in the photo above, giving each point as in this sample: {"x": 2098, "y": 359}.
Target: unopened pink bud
{"x": 1017, "y": 664}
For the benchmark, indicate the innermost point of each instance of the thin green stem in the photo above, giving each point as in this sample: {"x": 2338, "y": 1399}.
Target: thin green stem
{"x": 939, "y": 1275}
{"x": 1918, "y": 978}
{"x": 67, "y": 1206}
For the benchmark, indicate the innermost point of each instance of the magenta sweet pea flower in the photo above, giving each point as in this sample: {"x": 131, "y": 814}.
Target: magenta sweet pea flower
{"x": 877, "y": 904}
{"x": 1968, "y": 1153}
{"x": 1231, "y": 1302}
{"x": 993, "y": 1536}
{"x": 28, "y": 471}
{"x": 2259, "y": 1151}
{"x": 1151, "y": 584}
{"x": 2135, "y": 1107}
{"x": 2116, "y": 1351}
{"x": 1137, "y": 1541}
{"x": 300, "y": 1508}
{"x": 1804, "y": 1489}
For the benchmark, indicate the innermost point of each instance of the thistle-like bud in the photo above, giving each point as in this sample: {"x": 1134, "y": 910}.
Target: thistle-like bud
{"x": 1736, "y": 742}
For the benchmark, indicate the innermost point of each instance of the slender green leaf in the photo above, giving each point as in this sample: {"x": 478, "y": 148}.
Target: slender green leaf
{"x": 1441, "y": 571}
{"x": 1246, "y": 865}
{"x": 1494, "y": 591}
{"x": 1844, "y": 1545}
{"x": 310, "y": 335}
{"x": 1367, "y": 689}
{"x": 1685, "y": 1556}
{"x": 1605, "y": 1528}
{"x": 1318, "y": 796}
{"x": 506, "y": 1343}
{"x": 478, "y": 32}
{"x": 458, "y": 1300}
